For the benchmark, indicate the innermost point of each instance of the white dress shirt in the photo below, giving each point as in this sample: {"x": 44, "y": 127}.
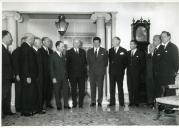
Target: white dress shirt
{"x": 59, "y": 53}
{"x": 133, "y": 51}
{"x": 97, "y": 50}
{"x": 116, "y": 49}
{"x": 35, "y": 48}
{"x": 165, "y": 45}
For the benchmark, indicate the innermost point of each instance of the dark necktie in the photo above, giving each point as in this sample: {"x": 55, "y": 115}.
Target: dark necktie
{"x": 155, "y": 50}
{"x": 115, "y": 50}
{"x": 95, "y": 53}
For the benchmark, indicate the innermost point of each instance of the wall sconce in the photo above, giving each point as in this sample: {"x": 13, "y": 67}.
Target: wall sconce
{"x": 61, "y": 25}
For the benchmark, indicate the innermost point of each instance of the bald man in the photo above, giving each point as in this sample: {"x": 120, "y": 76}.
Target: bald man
{"x": 77, "y": 72}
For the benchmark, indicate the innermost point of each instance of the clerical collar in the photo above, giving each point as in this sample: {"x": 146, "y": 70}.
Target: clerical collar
{"x": 4, "y": 45}
{"x": 35, "y": 48}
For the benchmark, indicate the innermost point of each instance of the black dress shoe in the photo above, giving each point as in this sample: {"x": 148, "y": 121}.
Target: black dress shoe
{"x": 59, "y": 109}
{"x": 137, "y": 105}
{"x": 131, "y": 104}
{"x": 111, "y": 104}
{"x": 42, "y": 111}
{"x": 10, "y": 113}
{"x": 74, "y": 106}
{"x": 80, "y": 106}
{"x": 67, "y": 107}
{"x": 26, "y": 114}
{"x": 99, "y": 105}
{"x": 93, "y": 104}
{"x": 49, "y": 106}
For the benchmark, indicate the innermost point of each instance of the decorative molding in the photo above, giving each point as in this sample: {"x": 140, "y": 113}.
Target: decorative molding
{"x": 17, "y": 16}
{"x": 99, "y": 15}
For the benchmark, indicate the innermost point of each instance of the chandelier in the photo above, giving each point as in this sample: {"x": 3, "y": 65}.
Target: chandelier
{"x": 61, "y": 25}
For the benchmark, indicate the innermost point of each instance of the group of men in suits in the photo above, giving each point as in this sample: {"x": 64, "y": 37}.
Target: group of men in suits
{"x": 28, "y": 67}
{"x": 38, "y": 71}
{"x": 165, "y": 64}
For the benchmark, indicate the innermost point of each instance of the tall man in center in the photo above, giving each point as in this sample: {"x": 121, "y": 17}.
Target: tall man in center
{"x": 97, "y": 59}
{"x": 77, "y": 72}
{"x": 117, "y": 65}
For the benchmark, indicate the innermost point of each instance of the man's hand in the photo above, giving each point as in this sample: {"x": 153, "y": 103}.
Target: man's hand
{"x": 17, "y": 78}
{"x": 54, "y": 80}
{"x": 28, "y": 80}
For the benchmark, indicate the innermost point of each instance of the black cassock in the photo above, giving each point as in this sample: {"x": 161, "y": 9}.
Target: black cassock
{"x": 28, "y": 68}
{"x": 150, "y": 87}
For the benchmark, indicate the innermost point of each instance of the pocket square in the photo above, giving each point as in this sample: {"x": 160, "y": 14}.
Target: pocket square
{"x": 102, "y": 54}
{"x": 122, "y": 53}
{"x": 166, "y": 51}
{"x": 137, "y": 56}
{"x": 158, "y": 54}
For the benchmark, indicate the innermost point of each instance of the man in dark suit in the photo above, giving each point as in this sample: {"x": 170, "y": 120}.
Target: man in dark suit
{"x": 97, "y": 59}
{"x": 28, "y": 75}
{"x": 156, "y": 60}
{"x": 7, "y": 73}
{"x": 59, "y": 75}
{"x": 45, "y": 80}
{"x": 169, "y": 64}
{"x": 77, "y": 72}
{"x": 16, "y": 68}
{"x": 136, "y": 64}
{"x": 37, "y": 45}
{"x": 149, "y": 80}
{"x": 15, "y": 62}
{"x": 117, "y": 65}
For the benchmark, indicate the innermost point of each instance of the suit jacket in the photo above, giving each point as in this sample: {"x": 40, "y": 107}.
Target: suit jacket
{"x": 7, "y": 71}
{"x": 28, "y": 67}
{"x": 76, "y": 63}
{"x": 44, "y": 62}
{"x": 117, "y": 61}
{"x": 169, "y": 64}
{"x": 58, "y": 67}
{"x": 156, "y": 60}
{"x": 97, "y": 65}
{"x": 136, "y": 63}
{"x": 15, "y": 60}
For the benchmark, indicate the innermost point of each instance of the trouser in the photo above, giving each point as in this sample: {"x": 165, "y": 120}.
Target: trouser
{"x": 80, "y": 83}
{"x": 18, "y": 95}
{"x": 61, "y": 90}
{"x": 150, "y": 88}
{"x": 45, "y": 93}
{"x": 6, "y": 96}
{"x": 133, "y": 87}
{"x": 29, "y": 96}
{"x": 119, "y": 80}
{"x": 96, "y": 81}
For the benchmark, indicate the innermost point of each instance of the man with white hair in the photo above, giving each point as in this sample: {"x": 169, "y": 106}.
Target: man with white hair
{"x": 27, "y": 75}
{"x": 77, "y": 72}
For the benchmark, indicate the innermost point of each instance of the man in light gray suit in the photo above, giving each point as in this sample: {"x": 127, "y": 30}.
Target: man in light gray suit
{"x": 97, "y": 59}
